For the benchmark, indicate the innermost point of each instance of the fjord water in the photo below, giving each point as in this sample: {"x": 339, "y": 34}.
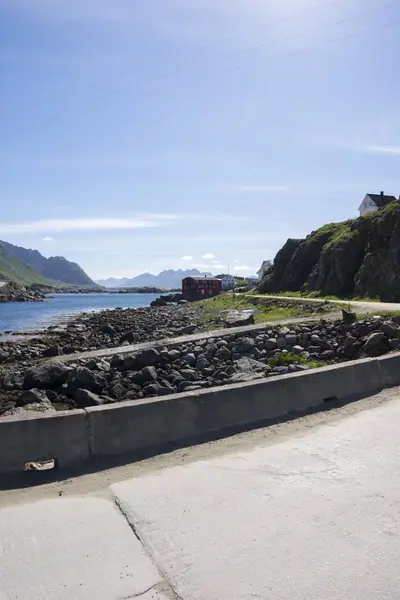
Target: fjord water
{"x": 21, "y": 316}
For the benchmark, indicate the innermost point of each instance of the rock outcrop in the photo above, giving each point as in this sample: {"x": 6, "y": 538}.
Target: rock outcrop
{"x": 359, "y": 257}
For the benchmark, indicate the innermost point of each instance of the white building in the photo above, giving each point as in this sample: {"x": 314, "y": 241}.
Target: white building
{"x": 252, "y": 282}
{"x": 373, "y": 202}
{"x": 228, "y": 282}
{"x": 263, "y": 269}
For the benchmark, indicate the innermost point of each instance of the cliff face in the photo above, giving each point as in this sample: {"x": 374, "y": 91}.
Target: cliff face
{"x": 355, "y": 258}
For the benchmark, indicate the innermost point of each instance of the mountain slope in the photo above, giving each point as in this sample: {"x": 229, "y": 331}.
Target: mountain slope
{"x": 56, "y": 267}
{"x": 360, "y": 257}
{"x": 169, "y": 279}
{"x": 12, "y": 269}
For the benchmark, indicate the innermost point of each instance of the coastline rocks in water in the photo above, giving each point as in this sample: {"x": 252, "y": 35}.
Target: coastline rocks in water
{"x": 194, "y": 365}
{"x": 170, "y": 298}
{"x": 13, "y": 292}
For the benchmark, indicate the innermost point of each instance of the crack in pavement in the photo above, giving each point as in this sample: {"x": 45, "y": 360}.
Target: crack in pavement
{"x": 164, "y": 585}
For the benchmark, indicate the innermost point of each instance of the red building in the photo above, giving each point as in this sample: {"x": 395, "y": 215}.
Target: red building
{"x": 197, "y": 288}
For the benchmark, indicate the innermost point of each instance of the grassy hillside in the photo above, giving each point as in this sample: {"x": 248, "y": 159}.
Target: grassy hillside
{"x": 12, "y": 269}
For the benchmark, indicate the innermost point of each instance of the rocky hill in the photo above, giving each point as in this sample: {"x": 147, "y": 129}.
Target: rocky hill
{"x": 56, "y": 268}
{"x": 359, "y": 257}
{"x": 13, "y": 269}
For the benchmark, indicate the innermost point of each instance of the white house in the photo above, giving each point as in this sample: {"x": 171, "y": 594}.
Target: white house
{"x": 263, "y": 269}
{"x": 228, "y": 282}
{"x": 373, "y": 202}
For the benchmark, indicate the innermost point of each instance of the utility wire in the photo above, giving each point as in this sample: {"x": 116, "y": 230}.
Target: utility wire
{"x": 236, "y": 36}
{"x": 252, "y": 49}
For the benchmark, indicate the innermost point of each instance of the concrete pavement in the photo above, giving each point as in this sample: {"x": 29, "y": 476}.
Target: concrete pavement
{"x": 357, "y": 305}
{"x": 307, "y": 509}
{"x": 313, "y": 517}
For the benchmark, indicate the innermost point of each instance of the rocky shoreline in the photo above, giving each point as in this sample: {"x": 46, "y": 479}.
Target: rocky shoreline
{"x": 13, "y": 292}
{"x": 181, "y": 366}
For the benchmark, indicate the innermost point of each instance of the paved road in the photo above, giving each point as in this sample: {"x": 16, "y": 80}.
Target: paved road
{"x": 358, "y": 306}
{"x": 308, "y": 509}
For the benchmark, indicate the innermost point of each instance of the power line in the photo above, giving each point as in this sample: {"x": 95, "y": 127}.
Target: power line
{"x": 258, "y": 47}
{"x": 236, "y": 36}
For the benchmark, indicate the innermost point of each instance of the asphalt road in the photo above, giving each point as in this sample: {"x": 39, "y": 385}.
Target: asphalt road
{"x": 306, "y": 509}
{"x": 358, "y": 306}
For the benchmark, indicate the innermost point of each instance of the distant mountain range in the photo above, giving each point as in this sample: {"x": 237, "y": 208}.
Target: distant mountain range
{"x": 29, "y": 266}
{"x": 165, "y": 280}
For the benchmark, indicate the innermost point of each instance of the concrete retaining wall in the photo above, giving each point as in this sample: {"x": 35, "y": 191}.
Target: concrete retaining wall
{"x": 127, "y": 427}
{"x": 62, "y": 436}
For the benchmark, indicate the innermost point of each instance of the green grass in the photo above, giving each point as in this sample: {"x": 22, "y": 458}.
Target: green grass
{"x": 269, "y": 310}
{"x": 12, "y": 269}
{"x": 317, "y": 295}
{"x": 386, "y": 314}
{"x": 290, "y": 358}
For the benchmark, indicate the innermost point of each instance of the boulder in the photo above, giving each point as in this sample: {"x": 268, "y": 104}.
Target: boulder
{"x": 390, "y": 330}
{"x": 376, "y": 344}
{"x": 237, "y": 318}
{"x": 32, "y": 396}
{"x": 83, "y": 378}
{"x": 46, "y": 376}
{"x": 86, "y": 398}
{"x": 146, "y": 375}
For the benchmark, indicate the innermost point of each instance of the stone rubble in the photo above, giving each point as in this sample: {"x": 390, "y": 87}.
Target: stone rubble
{"x": 194, "y": 365}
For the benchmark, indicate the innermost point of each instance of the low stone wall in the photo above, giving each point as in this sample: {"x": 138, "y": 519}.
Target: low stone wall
{"x": 80, "y": 435}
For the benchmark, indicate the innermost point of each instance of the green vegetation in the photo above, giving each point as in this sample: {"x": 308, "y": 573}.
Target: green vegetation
{"x": 269, "y": 309}
{"x": 290, "y": 358}
{"x": 12, "y": 269}
{"x": 316, "y": 295}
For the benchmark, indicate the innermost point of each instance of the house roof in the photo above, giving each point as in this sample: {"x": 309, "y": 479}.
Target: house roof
{"x": 203, "y": 278}
{"x": 266, "y": 264}
{"x": 381, "y": 199}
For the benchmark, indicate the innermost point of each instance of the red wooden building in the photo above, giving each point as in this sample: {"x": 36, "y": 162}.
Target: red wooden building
{"x": 197, "y": 288}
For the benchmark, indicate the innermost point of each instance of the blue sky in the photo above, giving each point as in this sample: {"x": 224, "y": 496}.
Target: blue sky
{"x": 143, "y": 135}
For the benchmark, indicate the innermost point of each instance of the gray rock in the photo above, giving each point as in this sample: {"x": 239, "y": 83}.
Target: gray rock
{"x": 173, "y": 355}
{"x": 146, "y": 375}
{"x": 245, "y": 344}
{"x": 202, "y": 363}
{"x": 281, "y": 343}
{"x": 117, "y": 361}
{"x": 148, "y": 358}
{"x": 376, "y": 344}
{"x": 223, "y": 353}
{"x": 271, "y": 344}
{"x": 52, "y": 351}
{"x": 291, "y": 339}
{"x": 118, "y": 391}
{"x": 245, "y": 377}
{"x": 130, "y": 363}
{"x": 151, "y": 389}
{"x": 86, "y": 398}
{"x": 189, "y": 359}
{"x": 297, "y": 349}
{"x": 83, "y": 378}
{"x": 390, "y": 330}
{"x": 46, "y": 376}
{"x": 32, "y": 396}
{"x": 249, "y": 365}
{"x": 237, "y": 318}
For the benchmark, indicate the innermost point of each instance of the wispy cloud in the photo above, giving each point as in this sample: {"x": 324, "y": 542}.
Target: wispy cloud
{"x": 208, "y": 256}
{"x": 87, "y": 224}
{"x": 187, "y": 258}
{"x": 47, "y": 239}
{"x": 393, "y": 150}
